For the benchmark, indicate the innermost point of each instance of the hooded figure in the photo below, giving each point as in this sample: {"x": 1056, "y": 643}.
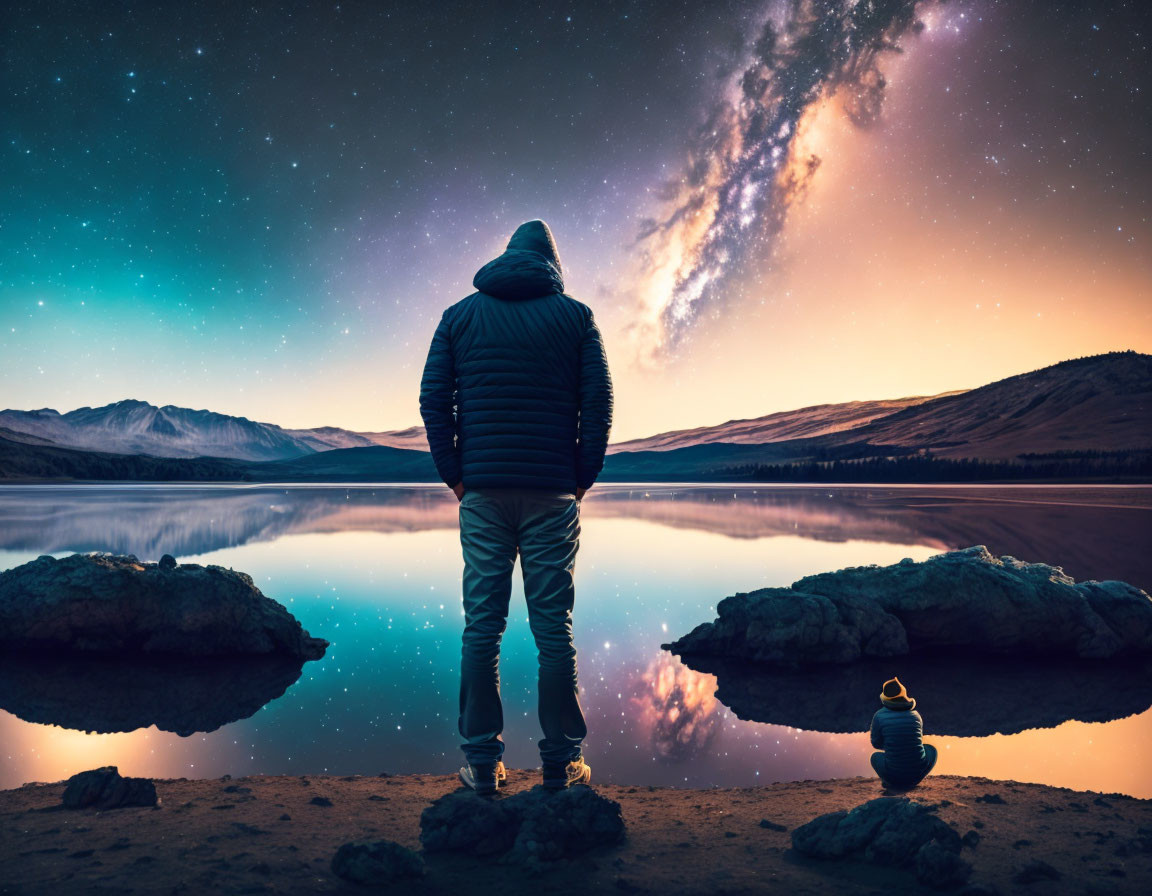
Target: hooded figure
{"x": 517, "y": 402}
{"x": 516, "y": 391}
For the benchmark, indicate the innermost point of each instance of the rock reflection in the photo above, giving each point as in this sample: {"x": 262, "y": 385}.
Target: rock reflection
{"x": 677, "y": 707}
{"x": 105, "y": 695}
{"x": 957, "y": 697}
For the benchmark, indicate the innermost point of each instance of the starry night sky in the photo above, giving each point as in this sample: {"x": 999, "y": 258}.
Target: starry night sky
{"x": 262, "y": 209}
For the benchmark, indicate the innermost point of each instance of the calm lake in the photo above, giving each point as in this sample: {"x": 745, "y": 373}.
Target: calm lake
{"x": 376, "y": 571}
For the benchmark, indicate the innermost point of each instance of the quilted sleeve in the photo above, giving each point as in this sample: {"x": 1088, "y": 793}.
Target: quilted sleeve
{"x": 595, "y": 406}
{"x": 438, "y": 403}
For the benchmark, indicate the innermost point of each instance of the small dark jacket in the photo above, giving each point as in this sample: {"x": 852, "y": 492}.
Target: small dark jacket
{"x": 898, "y": 730}
{"x": 516, "y": 391}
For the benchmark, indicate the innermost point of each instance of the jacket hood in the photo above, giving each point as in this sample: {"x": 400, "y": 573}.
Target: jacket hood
{"x": 529, "y": 267}
{"x": 898, "y": 703}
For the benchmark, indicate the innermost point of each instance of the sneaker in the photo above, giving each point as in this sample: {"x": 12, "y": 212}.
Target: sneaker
{"x": 557, "y": 776}
{"x": 483, "y": 778}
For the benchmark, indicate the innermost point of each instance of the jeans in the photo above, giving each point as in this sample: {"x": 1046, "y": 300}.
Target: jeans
{"x": 880, "y": 766}
{"x": 544, "y": 527}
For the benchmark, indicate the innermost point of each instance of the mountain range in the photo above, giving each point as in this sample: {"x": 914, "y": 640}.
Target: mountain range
{"x": 137, "y": 427}
{"x": 1098, "y": 407}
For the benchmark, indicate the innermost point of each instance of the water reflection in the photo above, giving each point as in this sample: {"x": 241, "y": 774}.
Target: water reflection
{"x": 106, "y": 695}
{"x": 376, "y": 571}
{"x": 1092, "y": 532}
{"x": 958, "y": 697}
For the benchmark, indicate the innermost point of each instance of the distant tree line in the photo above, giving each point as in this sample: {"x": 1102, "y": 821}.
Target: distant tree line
{"x": 925, "y": 467}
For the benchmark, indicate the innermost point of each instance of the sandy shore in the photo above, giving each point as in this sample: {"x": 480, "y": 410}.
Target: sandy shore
{"x": 265, "y": 835}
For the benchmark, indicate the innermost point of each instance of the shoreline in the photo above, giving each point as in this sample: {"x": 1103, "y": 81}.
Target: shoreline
{"x": 601, "y": 486}
{"x": 266, "y": 834}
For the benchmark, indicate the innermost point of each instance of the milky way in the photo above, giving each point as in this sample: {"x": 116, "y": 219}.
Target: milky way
{"x": 731, "y": 199}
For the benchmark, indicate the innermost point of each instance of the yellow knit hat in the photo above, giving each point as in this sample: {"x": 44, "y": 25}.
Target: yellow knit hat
{"x": 893, "y": 690}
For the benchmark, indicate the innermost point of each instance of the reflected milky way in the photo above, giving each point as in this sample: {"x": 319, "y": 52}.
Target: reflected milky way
{"x": 376, "y": 571}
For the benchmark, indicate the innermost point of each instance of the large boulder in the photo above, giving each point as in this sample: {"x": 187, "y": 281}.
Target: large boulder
{"x": 106, "y": 603}
{"x": 967, "y": 601}
{"x": 893, "y": 831}
{"x": 529, "y": 827}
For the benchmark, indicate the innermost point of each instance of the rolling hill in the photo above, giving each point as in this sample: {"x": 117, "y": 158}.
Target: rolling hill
{"x": 802, "y": 423}
{"x": 1089, "y": 416}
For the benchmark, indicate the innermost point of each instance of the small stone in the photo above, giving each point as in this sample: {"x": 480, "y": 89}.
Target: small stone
{"x": 1034, "y": 872}
{"x": 320, "y": 801}
{"x": 105, "y": 788}
{"x": 993, "y": 799}
{"x": 379, "y": 862}
{"x": 167, "y": 562}
{"x": 939, "y": 867}
{"x": 970, "y": 839}
{"x": 771, "y": 825}
{"x": 532, "y": 826}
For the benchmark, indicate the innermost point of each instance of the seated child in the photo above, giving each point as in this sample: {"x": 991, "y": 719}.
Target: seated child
{"x": 897, "y": 731}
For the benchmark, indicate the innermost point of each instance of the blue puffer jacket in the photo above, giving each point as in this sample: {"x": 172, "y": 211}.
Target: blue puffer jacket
{"x": 516, "y": 391}
{"x": 898, "y": 730}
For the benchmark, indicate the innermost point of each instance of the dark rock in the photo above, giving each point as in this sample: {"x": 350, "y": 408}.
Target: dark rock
{"x": 886, "y": 831}
{"x": 939, "y": 867}
{"x": 970, "y": 839}
{"x": 108, "y": 694}
{"x": 105, "y": 788}
{"x": 1034, "y": 872}
{"x": 771, "y": 825}
{"x": 964, "y": 599}
{"x": 380, "y": 862}
{"x": 991, "y": 798}
{"x": 167, "y": 562}
{"x": 105, "y": 603}
{"x": 462, "y": 821}
{"x": 320, "y": 801}
{"x": 531, "y": 826}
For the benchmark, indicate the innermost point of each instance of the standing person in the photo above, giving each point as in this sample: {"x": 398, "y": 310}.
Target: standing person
{"x": 517, "y": 402}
